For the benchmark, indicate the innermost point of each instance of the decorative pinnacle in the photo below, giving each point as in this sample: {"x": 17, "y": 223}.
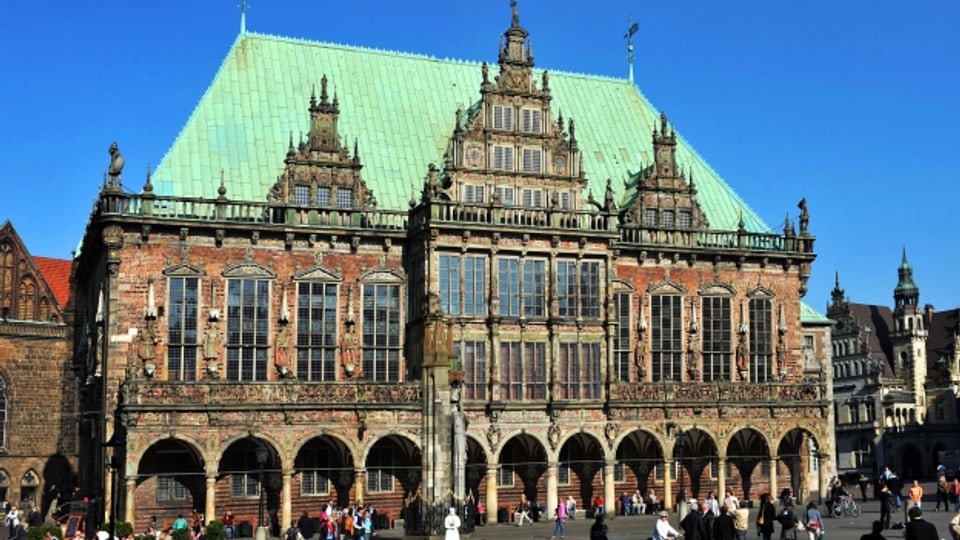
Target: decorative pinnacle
{"x": 323, "y": 89}
{"x": 515, "y": 18}
{"x": 148, "y": 185}
{"x": 222, "y": 190}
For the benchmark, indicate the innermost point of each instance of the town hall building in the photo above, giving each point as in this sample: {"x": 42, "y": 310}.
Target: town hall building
{"x": 462, "y": 281}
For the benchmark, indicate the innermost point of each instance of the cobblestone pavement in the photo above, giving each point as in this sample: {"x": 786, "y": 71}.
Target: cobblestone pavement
{"x": 640, "y": 527}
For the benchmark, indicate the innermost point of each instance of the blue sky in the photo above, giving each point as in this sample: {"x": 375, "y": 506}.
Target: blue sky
{"x": 853, "y": 105}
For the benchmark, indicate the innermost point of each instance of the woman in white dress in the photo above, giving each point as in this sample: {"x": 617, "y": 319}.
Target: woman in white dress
{"x": 452, "y": 525}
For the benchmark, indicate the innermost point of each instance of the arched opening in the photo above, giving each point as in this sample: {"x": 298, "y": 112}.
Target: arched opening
{"x": 323, "y": 469}
{"x": 641, "y": 455}
{"x": 170, "y": 481}
{"x": 523, "y": 460}
{"x": 748, "y": 456}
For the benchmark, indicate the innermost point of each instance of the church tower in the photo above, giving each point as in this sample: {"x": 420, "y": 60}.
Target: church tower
{"x": 909, "y": 337}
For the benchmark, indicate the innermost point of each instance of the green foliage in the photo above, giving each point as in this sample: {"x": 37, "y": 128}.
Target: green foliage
{"x": 182, "y": 534}
{"x": 124, "y": 528}
{"x": 215, "y": 530}
{"x": 37, "y": 533}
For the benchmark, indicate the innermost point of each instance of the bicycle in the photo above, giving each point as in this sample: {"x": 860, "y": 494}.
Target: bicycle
{"x": 846, "y": 506}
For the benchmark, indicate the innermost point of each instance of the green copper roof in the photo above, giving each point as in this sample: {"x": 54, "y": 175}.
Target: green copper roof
{"x": 401, "y": 107}
{"x": 810, "y": 316}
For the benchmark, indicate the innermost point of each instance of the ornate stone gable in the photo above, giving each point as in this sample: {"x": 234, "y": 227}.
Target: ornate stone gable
{"x": 665, "y": 199}
{"x": 507, "y": 148}
{"x": 320, "y": 172}
{"x": 25, "y": 293}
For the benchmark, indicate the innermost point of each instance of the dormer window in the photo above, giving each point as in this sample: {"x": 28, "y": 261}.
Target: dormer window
{"x": 503, "y": 117}
{"x": 530, "y": 121}
{"x": 503, "y": 157}
{"x": 685, "y": 219}
{"x": 323, "y": 196}
{"x": 668, "y": 219}
{"x": 564, "y": 198}
{"x": 532, "y": 159}
{"x": 301, "y": 195}
{"x": 650, "y": 217}
{"x": 344, "y": 197}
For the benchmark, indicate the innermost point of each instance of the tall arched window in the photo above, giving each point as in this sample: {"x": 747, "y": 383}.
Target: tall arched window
{"x": 27, "y": 300}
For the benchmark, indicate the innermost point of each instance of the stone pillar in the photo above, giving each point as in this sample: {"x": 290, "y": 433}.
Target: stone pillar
{"x": 552, "y": 496}
{"x": 492, "y": 469}
{"x": 721, "y": 477}
{"x": 668, "y": 485}
{"x": 210, "y": 510}
{"x": 359, "y": 480}
{"x": 821, "y": 477}
{"x": 773, "y": 479}
{"x": 130, "y": 511}
{"x": 609, "y": 489}
{"x": 286, "y": 501}
{"x": 108, "y": 497}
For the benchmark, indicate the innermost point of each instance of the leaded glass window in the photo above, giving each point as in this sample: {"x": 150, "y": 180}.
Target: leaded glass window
{"x": 248, "y": 319}
{"x": 316, "y": 331}
{"x": 182, "y": 309}
{"x": 667, "y": 337}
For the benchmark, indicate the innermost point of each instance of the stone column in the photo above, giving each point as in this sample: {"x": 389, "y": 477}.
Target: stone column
{"x": 286, "y": 501}
{"x": 721, "y": 477}
{"x": 359, "y": 480}
{"x": 821, "y": 477}
{"x": 668, "y": 485}
{"x": 492, "y": 469}
{"x": 552, "y": 496}
{"x": 773, "y": 479}
{"x": 210, "y": 510}
{"x": 609, "y": 489}
{"x": 130, "y": 512}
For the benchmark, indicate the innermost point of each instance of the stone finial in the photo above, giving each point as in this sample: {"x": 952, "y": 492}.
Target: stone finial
{"x": 515, "y": 15}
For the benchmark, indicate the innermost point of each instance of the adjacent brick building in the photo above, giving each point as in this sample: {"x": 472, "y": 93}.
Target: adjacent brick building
{"x": 38, "y": 404}
{"x": 620, "y": 318}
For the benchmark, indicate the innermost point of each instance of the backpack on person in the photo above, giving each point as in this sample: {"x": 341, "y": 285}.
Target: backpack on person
{"x": 293, "y": 533}
{"x": 787, "y": 518}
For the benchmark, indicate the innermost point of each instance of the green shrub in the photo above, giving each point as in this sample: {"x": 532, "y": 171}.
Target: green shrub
{"x": 182, "y": 534}
{"x": 124, "y": 528}
{"x": 215, "y": 530}
{"x": 37, "y": 533}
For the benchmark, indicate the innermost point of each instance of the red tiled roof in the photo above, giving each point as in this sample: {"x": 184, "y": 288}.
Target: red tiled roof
{"x": 56, "y": 272}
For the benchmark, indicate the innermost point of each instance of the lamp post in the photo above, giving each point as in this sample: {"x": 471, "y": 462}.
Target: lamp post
{"x": 262, "y": 453}
{"x": 116, "y": 442}
{"x": 681, "y": 493}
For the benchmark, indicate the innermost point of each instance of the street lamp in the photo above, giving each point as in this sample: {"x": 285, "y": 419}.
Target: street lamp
{"x": 116, "y": 442}
{"x": 681, "y": 494}
{"x": 262, "y": 454}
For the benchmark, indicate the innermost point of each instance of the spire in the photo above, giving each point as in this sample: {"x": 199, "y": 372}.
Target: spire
{"x": 906, "y": 291}
{"x": 631, "y": 30}
{"x": 515, "y": 49}
{"x": 837, "y": 295}
{"x": 243, "y": 16}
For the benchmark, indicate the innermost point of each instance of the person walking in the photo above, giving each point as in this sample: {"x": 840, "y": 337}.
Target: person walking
{"x": 788, "y": 521}
{"x": 915, "y": 493}
{"x": 560, "y": 528}
{"x": 766, "y": 515}
{"x": 919, "y": 528}
{"x": 886, "y": 505}
{"x": 813, "y": 521}
{"x": 863, "y": 482}
{"x": 723, "y": 528}
{"x": 451, "y": 525}
{"x": 741, "y": 523}
{"x": 662, "y": 530}
{"x": 874, "y": 534}
{"x": 942, "y": 494}
{"x": 598, "y": 531}
{"x": 955, "y": 526}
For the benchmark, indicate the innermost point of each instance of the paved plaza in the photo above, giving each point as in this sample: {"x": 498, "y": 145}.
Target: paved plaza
{"x": 640, "y": 527}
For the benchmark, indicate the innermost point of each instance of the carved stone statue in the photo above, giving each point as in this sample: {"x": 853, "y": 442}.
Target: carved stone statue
{"x": 148, "y": 342}
{"x": 116, "y": 161}
{"x": 211, "y": 342}
{"x": 281, "y": 351}
{"x": 742, "y": 354}
{"x": 348, "y": 350}
{"x": 804, "y": 215}
{"x": 640, "y": 356}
